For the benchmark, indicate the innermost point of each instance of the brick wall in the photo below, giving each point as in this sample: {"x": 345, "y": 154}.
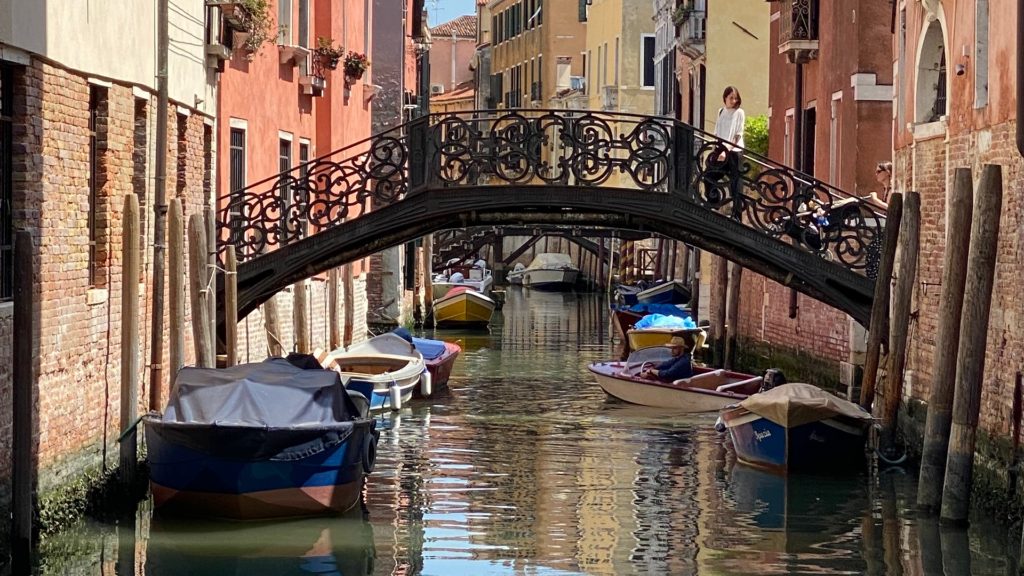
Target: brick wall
{"x": 928, "y": 168}
{"x": 78, "y": 320}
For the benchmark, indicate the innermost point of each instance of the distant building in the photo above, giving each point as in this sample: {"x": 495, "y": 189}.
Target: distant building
{"x": 481, "y": 64}
{"x": 536, "y": 47}
{"x": 452, "y": 47}
{"x": 620, "y": 72}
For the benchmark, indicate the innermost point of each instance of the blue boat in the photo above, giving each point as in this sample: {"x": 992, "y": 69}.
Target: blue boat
{"x": 261, "y": 440}
{"x": 798, "y": 427}
{"x": 671, "y": 292}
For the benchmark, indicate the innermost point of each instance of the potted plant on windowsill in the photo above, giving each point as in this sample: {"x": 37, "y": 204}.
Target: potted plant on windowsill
{"x": 682, "y": 13}
{"x": 355, "y": 66}
{"x": 257, "y": 27}
{"x": 329, "y": 55}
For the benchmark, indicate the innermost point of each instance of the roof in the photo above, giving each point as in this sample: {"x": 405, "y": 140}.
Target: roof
{"x": 461, "y": 27}
{"x": 462, "y": 91}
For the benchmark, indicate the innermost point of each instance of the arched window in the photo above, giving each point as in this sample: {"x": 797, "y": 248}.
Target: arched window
{"x": 931, "y": 76}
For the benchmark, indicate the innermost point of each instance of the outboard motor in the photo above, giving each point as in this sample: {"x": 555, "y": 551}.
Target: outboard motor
{"x": 773, "y": 378}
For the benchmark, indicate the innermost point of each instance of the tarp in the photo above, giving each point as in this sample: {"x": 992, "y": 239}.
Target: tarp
{"x": 663, "y": 309}
{"x": 430, "y": 349}
{"x": 270, "y": 394}
{"x": 662, "y": 321}
{"x": 792, "y": 405}
{"x": 552, "y": 261}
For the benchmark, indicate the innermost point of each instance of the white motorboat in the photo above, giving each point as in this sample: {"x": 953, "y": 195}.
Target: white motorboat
{"x": 475, "y": 277}
{"x": 551, "y": 271}
{"x": 386, "y": 368}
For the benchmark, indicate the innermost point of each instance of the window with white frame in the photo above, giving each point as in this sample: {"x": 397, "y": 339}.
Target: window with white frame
{"x": 930, "y": 102}
{"x": 647, "y": 60}
{"x": 835, "y": 141}
{"x": 284, "y": 22}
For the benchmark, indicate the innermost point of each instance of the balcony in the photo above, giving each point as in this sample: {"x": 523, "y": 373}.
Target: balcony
{"x": 693, "y": 32}
{"x": 610, "y": 99}
{"x": 798, "y": 30}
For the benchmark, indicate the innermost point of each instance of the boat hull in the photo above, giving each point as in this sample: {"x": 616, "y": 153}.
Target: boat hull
{"x": 463, "y": 309}
{"x": 647, "y": 337}
{"x": 667, "y": 395}
{"x": 380, "y": 398}
{"x": 192, "y": 481}
{"x": 441, "y": 289}
{"x": 440, "y": 368}
{"x": 823, "y": 445}
{"x": 673, "y": 292}
{"x": 555, "y": 280}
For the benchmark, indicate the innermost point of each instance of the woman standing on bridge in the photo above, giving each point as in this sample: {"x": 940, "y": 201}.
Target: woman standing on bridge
{"x": 731, "y": 121}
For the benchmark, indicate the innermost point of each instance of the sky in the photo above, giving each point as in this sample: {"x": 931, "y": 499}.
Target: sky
{"x": 441, "y": 11}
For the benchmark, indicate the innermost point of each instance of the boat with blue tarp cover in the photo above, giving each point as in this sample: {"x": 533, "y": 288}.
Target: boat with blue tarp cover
{"x": 260, "y": 440}
{"x": 438, "y": 356}
{"x": 626, "y": 316}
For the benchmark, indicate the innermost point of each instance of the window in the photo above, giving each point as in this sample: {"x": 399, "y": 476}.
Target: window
{"x": 284, "y": 22}
{"x": 236, "y": 178}
{"x": 97, "y": 180}
{"x": 647, "y": 60}
{"x": 540, "y": 12}
{"x": 303, "y": 39}
{"x": 930, "y": 103}
{"x": 901, "y": 92}
{"x": 306, "y": 186}
{"x": 810, "y": 129}
{"x": 182, "y": 161}
{"x": 787, "y": 142}
{"x": 588, "y": 62}
{"x": 583, "y": 10}
{"x": 616, "y": 61}
{"x": 6, "y": 183}
{"x": 284, "y": 184}
{"x": 980, "y": 53}
{"x": 835, "y": 142}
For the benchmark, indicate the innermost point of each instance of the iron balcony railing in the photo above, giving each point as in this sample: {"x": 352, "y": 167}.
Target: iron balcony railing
{"x": 798, "y": 21}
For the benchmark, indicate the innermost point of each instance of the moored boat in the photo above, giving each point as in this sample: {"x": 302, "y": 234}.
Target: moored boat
{"x": 798, "y": 427}
{"x": 438, "y": 356}
{"x": 707, "y": 390}
{"x": 671, "y": 292}
{"x": 463, "y": 307}
{"x": 385, "y": 368}
{"x": 626, "y": 317}
{"x": 640, "y": 338}
{"x": 551, "y": 271}
{"x": 516, "y": 275}
{"x": 261, "y": 440}
{"x": 476, "y": 277}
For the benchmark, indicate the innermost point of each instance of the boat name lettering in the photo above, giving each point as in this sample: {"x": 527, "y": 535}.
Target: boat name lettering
{"x": 762, "y": 435}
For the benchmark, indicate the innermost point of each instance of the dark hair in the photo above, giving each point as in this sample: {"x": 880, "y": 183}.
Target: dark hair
{"x": 731, "y": 90}
{"x": 886, "y": 166}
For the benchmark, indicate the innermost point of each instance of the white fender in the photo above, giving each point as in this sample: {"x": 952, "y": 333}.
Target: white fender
{"x": 426, "y": 384}
{"x": 396, "y": 396}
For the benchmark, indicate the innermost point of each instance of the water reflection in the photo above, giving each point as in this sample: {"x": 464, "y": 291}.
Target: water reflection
{"x": 523, "y": 466}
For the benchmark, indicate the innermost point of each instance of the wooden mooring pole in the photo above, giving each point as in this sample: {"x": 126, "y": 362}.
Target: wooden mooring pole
{"x": 130, "y": 269}
{"x": 350, "y": 300}
{"x": 880, "y": 307}
{"x": 176, "y": 292}
{"x": 333, "y": 310}
{"x": 733, "y": 314}
{"x": 231, "y": 306}
{"x": 956, "y": 493}
{"x": 719, "y": 286}
{"x": 202, "y": 339}
{"x": 300, "y": 316}
{"x": 428, "y": 275}
{"x": 23, "y": 386}
{"x": 951, "y": 301}
{"x": 910, "y": 236}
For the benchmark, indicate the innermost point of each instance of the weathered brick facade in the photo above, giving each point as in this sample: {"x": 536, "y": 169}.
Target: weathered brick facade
{"x": 77, "y": 323}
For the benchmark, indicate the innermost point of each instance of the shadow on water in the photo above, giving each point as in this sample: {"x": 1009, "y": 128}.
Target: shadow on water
{"x": 523, "y": 466}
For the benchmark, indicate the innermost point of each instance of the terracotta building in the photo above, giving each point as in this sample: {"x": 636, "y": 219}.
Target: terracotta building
{"x": 956, "y": 107}
{"x": 304, "y": 110}
{"x": 452, "y": 46}
{"x": 830, "y": 108}
{"x": 78, "y": 134}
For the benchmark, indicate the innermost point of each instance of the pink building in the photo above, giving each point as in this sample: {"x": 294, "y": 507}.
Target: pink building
{"x": 452, "y": 47}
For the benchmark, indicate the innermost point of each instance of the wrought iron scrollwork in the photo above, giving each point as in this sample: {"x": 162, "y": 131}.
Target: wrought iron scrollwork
{"x": 553, "y": 147}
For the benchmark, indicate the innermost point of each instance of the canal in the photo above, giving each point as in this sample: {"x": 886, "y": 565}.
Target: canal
{"x": 524, "y": 467}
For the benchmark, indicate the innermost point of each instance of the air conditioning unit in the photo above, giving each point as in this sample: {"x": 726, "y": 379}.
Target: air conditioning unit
{"x": 437, "y": 88}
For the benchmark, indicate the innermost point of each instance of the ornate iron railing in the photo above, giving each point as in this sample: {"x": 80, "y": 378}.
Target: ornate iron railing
{"x": 506, "y": 148}
{"x": 798, "y": 21}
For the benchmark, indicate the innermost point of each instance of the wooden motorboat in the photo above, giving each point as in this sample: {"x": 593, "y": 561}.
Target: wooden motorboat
{"x": 798, "y": 427}
{"x": 385, "y": 368}
{"x": 476, "y": 277}
{"x": 627, "y": 316}
{"x": 707, "y": 390}
{"x": 261, "y": 440}
{"x": 671, "y": 292}
{"x": 551, "y": 271}
{"x": 640, "y": 338}
{"x": 463, "y": 307}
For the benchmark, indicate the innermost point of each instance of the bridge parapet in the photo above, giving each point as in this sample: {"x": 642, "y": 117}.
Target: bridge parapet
{"x": 509, "y": 149}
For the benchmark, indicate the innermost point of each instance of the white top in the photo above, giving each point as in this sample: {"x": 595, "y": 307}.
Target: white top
{"x": 730, "y": 124}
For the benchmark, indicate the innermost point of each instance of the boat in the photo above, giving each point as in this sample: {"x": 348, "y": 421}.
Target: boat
{"x": 708, "y": 390}
{"x": 798, "y": 427}
{"x": 260, "y": 440}
{"x": 640, "y": 338}
{"x": 627, "y": 316}
{"x": 438, "y": 356}
{"x": 386, "y": 368}
{"x": 476, "y": 276}
{"x": 671, "y": 292}
{"x": 551, "y": 271}
{"x": 516, "y": 275}
{"x": 626, "y": 294}
{"x": 463, "y": 307}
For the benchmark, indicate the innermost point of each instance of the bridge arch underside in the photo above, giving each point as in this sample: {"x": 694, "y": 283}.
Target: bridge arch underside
{"x": 428, "y": 211}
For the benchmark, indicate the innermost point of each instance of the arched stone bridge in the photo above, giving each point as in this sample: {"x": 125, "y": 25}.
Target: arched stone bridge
{"x": 566, "y": 167}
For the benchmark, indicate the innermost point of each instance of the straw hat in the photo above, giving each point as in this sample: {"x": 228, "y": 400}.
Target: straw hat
{"x": 677, "y": 341}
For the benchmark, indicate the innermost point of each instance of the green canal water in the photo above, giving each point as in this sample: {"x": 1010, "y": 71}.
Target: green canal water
{"x": 524, "y": 467}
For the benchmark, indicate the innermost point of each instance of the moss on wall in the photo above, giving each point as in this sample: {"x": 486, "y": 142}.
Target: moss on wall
{"x": 797, "y": 365}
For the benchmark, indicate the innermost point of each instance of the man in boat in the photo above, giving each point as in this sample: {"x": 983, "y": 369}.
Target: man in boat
{"x": 680, "y": 365}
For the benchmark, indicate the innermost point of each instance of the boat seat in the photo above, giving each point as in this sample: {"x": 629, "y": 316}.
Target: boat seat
{"x": 695, "y": 380}
{"x": 738, "y": 385}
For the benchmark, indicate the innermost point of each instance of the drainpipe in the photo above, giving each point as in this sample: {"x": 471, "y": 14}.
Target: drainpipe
{"x": 159, "y": 211}
{"x": 455, "y": 46}
{"x": 798, "y": 149}
{"x": 1020, "y": 76}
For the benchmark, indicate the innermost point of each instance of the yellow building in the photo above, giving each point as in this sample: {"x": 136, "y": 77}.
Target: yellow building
{"x": 725, "y": 47}
{"x": 620, "y": 56}
{"x": 536, "y": 47}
